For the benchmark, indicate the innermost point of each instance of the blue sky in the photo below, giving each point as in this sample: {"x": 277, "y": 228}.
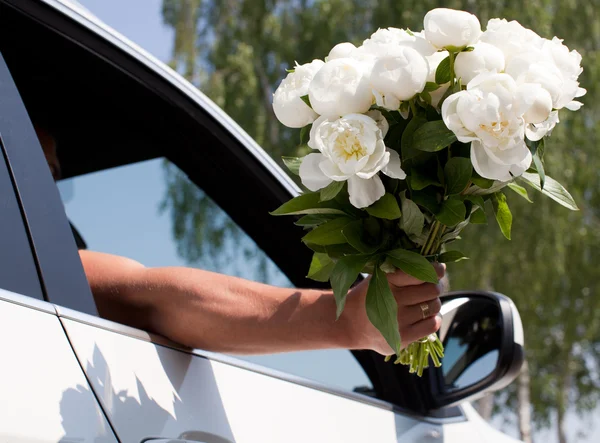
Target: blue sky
{"x": 142, "y": 233}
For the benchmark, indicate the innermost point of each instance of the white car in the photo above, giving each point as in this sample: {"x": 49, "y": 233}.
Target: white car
{"x": 68, "y": 375}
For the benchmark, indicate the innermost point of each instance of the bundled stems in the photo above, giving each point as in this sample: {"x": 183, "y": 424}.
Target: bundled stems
{"x": 417, "y": 354}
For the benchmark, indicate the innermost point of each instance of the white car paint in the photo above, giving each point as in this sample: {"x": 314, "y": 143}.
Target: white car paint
{"x": 44, "y": 396}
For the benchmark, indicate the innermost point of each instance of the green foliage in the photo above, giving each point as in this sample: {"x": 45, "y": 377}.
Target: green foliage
{"x": 382, "y": 309}
{"x": 330, "y": 191}
{"x": 329, "y": 233}
{"x": 519, "y": 190}
{"x": 453, "y": 212}
{"x": 343, "y": 275}
{"x": 458, "y": 171}
{"x": 451, "y": 256}
{"x": 321, "y": 266}
{"x": 502, "y": 212}
{"x": 414, "y": 264}
{"x": 412, "y": 220}
{"x": 432, "y": 136}
{"x": 443, "y": 73}
{"x": 386, "y": 207}
{"x": 309, "y": 203}
{"x": 553, "y": 189}
{"x": 293, "y": 164}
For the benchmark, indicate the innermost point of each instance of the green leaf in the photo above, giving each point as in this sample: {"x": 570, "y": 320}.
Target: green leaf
{"x": 552, "y": 189}
{"x": 420, "y": 181}
{"x": 330, "y": 191}
{"x": 329, "y": 233}
{"x": 305, "y": 134}
{"x": 539, "y": 167}
{"x": 453, "y": 212}
{"x": 412, "y": 220}
{"x": 431, "y": 86}
{"x": 306, "y": 100}
{"x": 408, "y": 151}
{"x": 478, "y": 217}
{"x": 429, "y": 198}
{"x": 452, "y": 256}
{"x": 386, "y": 207}
{"x": 320, "y": 267}
{"x": 483, "y": 183}
{"x": 308, "y": 203}
{"x": 477, "y": 200}
{"x": 354, "y": 234}
{"x": 344, "y": 274}
{"x": 458, "y": 173}
{"x": 293, "y": 164}
{"x": 520, "y": 190}
{"x": 443, "y": 73}
{"x": 314, "y": 220}
{"x": 433, "y": 137}
{"x": 382, "y": 309}
{"x": 503, "y": 215}
{"x": 413, "y": 264}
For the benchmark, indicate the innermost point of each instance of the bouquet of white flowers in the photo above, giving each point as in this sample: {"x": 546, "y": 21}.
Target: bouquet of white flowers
{"x": 413, "y": 134}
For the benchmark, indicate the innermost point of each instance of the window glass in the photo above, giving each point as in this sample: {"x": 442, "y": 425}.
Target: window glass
{"x": 18, "y": 271}
{"x": 151, "y": 212}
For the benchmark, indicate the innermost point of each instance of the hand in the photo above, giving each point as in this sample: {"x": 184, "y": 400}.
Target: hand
{"x": 410, "y": 295}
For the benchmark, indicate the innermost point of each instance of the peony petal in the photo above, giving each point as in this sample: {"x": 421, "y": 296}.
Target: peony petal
{"x": 518, "y": 169}
{"x": 485, "y": 166}
{"x": 332, "y": 171}
{"x": 364, "y": 193}
{"x": 310, "y": 173}
{"x": 377, "y": 160}
{"x": 573, "y": 105}
{"x": 393, "y": 169}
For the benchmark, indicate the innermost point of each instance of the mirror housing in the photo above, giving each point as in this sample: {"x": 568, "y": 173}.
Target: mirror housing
{"x": 483, "y": 339}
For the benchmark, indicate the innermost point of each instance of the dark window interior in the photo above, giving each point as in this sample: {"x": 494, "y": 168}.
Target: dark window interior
{"x": 105, "y": 116}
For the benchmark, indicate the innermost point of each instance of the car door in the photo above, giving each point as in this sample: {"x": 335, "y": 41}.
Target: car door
{"x": 150, "y": 388}
{"x": 44, "y": 395}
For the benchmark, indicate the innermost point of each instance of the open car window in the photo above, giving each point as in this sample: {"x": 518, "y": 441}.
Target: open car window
{"x": 151, "y": 212}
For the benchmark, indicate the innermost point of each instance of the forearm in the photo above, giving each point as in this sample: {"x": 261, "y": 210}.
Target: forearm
{"x": 226, "y": 314}
{"x": 212, "y": 311}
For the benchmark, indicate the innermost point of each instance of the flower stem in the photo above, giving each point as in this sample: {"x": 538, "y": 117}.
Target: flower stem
{"x": 413, "y": 108}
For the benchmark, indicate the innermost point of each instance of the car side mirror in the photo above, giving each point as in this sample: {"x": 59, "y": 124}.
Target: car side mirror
{"x": 483, "y": 342}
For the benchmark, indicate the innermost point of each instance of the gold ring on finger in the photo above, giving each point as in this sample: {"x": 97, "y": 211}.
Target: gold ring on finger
{"x": 424, "y": 310}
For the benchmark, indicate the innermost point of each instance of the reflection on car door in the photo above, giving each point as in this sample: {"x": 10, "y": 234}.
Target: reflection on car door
{"x": 152, "y": 390}
{"x": 44, "y": 396}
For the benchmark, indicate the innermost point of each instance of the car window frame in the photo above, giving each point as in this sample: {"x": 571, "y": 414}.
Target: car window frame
{"x": 59, "y": 268}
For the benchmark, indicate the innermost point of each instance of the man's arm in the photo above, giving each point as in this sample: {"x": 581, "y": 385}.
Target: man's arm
{"x": 220, "y": 313}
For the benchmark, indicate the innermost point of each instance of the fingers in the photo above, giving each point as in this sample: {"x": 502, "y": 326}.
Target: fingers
{"x": 401, "y": 279}
{"x": 413, "y": 295}
{"x": 410, "y": 315}
{"x": 420, "y": 329}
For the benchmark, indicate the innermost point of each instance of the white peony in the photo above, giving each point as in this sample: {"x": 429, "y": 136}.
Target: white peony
{"x": 341, "y": 50}
{"x": 449, "y": 27}
{"x": 289, "y": 108}
{"x": 351, "y": 149}
{"x": 399, "y": 77}
{"x": 340, "y": 87}
{"x": 483, "y": 58}
{"x": 488, "y": 116}
{"x": 510, "y": 37}
{"x": 386, "y": 42}
{"x": 568, "y": 64}
{"x": 434, "y": 61}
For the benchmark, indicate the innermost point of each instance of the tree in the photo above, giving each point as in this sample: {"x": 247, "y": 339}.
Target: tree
{"x": 236, "y": 51}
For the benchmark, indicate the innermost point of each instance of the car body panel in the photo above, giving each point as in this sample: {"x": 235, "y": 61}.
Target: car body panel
{"x": 44, "y": 394}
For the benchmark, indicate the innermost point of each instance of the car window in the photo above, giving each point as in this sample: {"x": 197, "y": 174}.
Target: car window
{"x": 18, "y": 271}
{"x": 151, "y": 212}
